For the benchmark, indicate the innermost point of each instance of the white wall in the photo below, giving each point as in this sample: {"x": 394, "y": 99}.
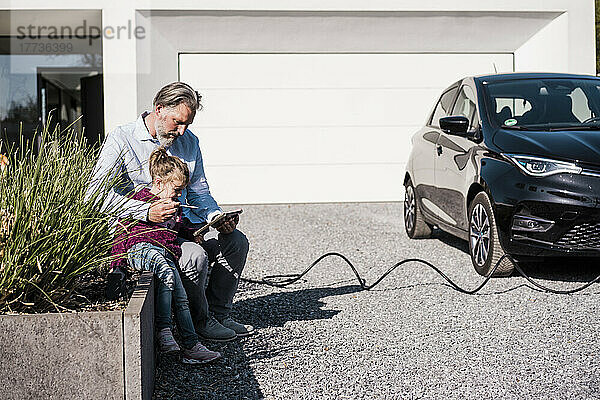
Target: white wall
{"x": 288, "y": 128}
{"x": 547, "y": 50}
{"x": 324, "y": 32}
{"x": 120, "y": 70}
{"x": 348, "y": 25}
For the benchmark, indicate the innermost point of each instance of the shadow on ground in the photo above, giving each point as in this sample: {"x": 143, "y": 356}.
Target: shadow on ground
{"x": 564, "y": 269}
{"x": 560, "y": 269}
{"x": 450, "y": 240}
{"x": 278, "y": 308}
{"x": 232, "y": 377}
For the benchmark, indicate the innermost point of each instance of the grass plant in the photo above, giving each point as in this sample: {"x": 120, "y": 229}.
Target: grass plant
{"x": 51, "y": 235}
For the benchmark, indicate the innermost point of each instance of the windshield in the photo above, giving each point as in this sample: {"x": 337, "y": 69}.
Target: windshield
{"x": 545, "y": 104}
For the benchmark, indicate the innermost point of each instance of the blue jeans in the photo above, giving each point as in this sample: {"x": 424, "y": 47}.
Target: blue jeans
{"x": 149, "y": 257}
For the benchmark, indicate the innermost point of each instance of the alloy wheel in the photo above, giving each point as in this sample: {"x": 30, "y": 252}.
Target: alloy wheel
{"x": 479, "y": 235}
{"x": 409, "y": 208}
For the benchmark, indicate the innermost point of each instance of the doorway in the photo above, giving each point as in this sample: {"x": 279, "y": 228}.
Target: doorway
{"x": 72, "y": 97}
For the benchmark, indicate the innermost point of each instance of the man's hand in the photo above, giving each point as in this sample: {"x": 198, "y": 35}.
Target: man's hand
{"x": 199, "y": 238}
{"x": 162, "y": 210}
{"x": 228, "y": 225}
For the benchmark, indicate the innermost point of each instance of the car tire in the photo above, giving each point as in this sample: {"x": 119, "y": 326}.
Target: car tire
{"x": 414, "y": 223}
{"x": 484, "y": 244}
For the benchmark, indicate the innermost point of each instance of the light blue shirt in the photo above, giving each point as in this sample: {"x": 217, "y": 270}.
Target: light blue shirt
{"x": 124, "y": 157}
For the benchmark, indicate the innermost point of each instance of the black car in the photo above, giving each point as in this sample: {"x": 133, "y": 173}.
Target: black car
{"x": 511, "y": 163}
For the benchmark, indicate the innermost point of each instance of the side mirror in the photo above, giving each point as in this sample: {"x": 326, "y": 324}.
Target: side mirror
{"x": 455, "y": 125}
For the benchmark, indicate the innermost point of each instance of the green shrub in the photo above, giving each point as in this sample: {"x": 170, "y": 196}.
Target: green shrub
{"x": 50, "y": 235}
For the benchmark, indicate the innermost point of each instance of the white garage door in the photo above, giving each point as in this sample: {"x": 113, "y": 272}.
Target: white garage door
{"x": 279, "y": 128}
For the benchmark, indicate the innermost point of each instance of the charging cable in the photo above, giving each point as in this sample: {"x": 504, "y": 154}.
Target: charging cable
{"x": 282, "y": 281}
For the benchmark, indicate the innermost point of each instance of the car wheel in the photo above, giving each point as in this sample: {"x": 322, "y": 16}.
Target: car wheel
{"x": 415, "y": 225}
{"x": 484, "y": 244}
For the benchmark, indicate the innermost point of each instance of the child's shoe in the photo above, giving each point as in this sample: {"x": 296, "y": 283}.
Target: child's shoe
{"x": 166, "y": 343}
{"x": 199, "y": 355}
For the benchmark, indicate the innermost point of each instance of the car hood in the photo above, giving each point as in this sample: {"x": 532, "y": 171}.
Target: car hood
{"x": 581, "y": 146}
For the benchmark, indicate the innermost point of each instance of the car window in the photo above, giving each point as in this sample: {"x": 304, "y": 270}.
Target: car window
{"x": 443, "y": 107}
{"x": 466, "y": 105}
{"x": 581, "y": 107}
{"x": 545, "y": 103}
{"x": 512, "y": 106}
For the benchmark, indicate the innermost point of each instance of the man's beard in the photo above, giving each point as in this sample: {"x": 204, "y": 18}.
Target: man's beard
{"x": 165, "y": 138}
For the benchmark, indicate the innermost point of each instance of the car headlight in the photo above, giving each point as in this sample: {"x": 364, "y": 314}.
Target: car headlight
{"x": 538, "y": 166}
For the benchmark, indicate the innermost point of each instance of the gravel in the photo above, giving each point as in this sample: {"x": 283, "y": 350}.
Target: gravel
{"x": 410, "y": 337}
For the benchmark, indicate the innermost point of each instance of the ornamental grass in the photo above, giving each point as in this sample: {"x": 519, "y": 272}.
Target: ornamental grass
{"x": 51, "y": 235}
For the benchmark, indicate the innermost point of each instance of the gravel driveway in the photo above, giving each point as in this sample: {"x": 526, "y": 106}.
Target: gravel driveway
{"x": 410, "y": 337}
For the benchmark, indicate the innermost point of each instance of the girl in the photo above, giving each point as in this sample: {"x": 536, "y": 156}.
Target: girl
{"x": 153, "y": 247}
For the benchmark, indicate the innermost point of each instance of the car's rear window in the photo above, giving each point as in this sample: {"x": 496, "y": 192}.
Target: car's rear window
{"x": 544, "y": 103}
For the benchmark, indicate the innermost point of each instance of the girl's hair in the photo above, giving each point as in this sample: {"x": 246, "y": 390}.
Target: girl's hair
{"x": 167, "y": 167}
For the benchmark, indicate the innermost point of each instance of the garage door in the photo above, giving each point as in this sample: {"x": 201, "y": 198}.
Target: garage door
{"x": 279, "y": 128}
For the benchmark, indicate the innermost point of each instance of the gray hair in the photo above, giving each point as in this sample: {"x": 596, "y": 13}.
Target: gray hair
{"x": 177, "y": 93}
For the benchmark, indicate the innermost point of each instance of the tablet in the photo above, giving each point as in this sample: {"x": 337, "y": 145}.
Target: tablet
{"x": 217, "y": 220}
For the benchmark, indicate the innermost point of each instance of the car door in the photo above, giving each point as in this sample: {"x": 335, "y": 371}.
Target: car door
{"x": 452, "y": 157}
{"x": 424, "y": 153}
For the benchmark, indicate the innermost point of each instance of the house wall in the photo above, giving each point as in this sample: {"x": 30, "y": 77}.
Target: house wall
{"x": 320, "y": 153}
{"x": 572, "y": 24}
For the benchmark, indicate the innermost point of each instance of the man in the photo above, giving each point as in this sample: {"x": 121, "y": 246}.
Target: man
{"x": 124, "y": 158}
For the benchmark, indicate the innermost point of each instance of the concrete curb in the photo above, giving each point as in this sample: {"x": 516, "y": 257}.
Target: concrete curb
{"x": 138, "y": 335}
{"x": 88, "y": 355}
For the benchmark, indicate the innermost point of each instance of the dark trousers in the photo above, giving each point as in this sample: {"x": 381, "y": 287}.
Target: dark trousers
{"x": 211, "y": 272}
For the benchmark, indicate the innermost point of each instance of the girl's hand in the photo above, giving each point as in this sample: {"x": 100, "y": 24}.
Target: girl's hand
{"x": 199, "y": 239}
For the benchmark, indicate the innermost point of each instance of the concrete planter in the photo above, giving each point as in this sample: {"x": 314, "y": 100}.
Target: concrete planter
{"x": 88, "y": 355}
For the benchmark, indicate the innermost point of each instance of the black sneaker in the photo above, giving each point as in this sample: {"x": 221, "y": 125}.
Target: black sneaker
{"x": 240, "y": 329}
{"x": 213, "y": 330}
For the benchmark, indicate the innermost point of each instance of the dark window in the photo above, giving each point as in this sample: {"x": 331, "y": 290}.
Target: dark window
{"x": 466, "y": 105}
{"x": 545, "y": 103}
{"x": 44, "y": 78}
{"x": 443, "y": 107}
